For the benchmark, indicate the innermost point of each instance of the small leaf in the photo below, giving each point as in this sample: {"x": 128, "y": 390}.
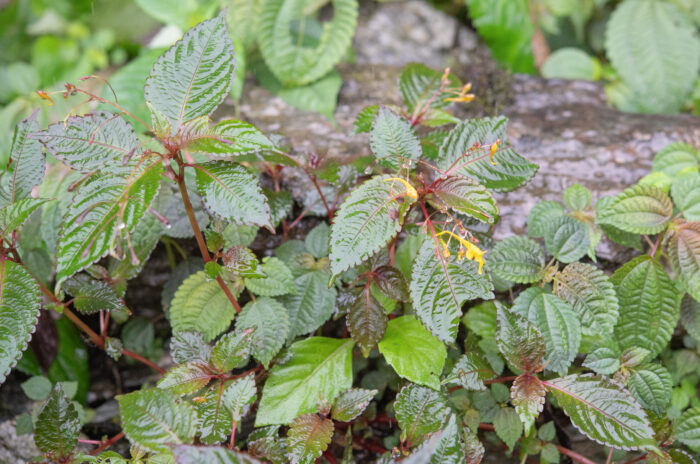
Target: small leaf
{"x": 686, "y": 195}
{"x": 450, "y": 449}
{"x": 688, "y": 428}
{"x": 239, "y": 394}
{"x": 308, "y": 437}
{"x": 465, "y": 196}
{"x": 270, "y": 322}
{"x": 470, "y": 371}
{"x": 527, "y": 395}
{"x": 366, "y": 321}
{"x": 228, "y": 138}
{"x": 577, "y": 197}
{"x": 230, "y": 192}
{"x": 474, "y": 450}
{"x": 392, "y": 283}
{"x": 194, "y": 76}
{"x": 189, "y": 346}
{"x": 520, "y": 342}
{"x": 28, "y": 161}
{"x": 153, "y": 419}
{"x": 541, "y": 217}
{"x": 213, "y": 419}
{"x": 315, "y": 369}
{"x": 604, "y": 359}
{"x": 421, "y": 364}
{"x": 242, "y": 261}
{"x": 37, "y": 387}
{"x": 567, "y": 239}
{"x": 439, "y": 287}
{"x": 90, "y": 296}
{"x": 556, "y": 321}
{"x": 57, "y": 425}
{"x": 419, "y": 411}
{"x": 592, "y": 296}
{"x": 231, "y": 350}
{"x": 684, "y": 254}
{"x": 351, "y": 403}
{"x": 508, "y": 426}
{"x": 364, "y": 119}
{"x": 603, "y": 410}
{"x": 517, "y": 259}
{"x": 418, "y": 84}
{"x": 393, "y": 140}
{"x": 311, "y": 305}
{"x": 13, "y": 216}
{"x": 676, "y": 158}
{"x": 281, "y": 204}
{"x": 278, "y": 280}
{"x": 642, "y": 209}
{"x": 186, "y": 378}
{"x": 317, "y": 241}
{"x": 651, "y": 385}
{"x": 367, "y": 220}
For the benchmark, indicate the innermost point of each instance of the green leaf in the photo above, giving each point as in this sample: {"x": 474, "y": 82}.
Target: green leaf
{"x": 592, "y": 296}
{"x": 418, "y": 83}
{"x": 186, "y": 378}
{"x": 688, "y": 428}
{"x": 279, "y": 280}
{"x": 90, "y": 296}
{"x": 684, "y": 254}
{"x": 228, "y": 138}
{"x": 649, "y": 305}
{"x": 239, "y": 394}
{"x": 419, "y": 411}
{"x": 653, "y": 47}
{"x": 626, "y": 239}
{"x": 577, "y": 197}
{"x": 270, "y": 322}
{"x": 14, "y": 215}
{"x": 421, "y": 364}
{"x": 57, "y": 425}
{"x": 651, "y": 385}
{"x": 603, "y": 411}
{"x": 508, "y": 426}
{"x": 366, "y": 320}
{"x": 510, "y": 171}
{"x": 208, "y": 455}
{"x": 230, "y": 192}
{"x": 290, "y": 60}
{"x": 311, "y": 305}
{"x": 392, "y": 140}
{"x": 189, "y": 346}
{"x": 194, "y": 76}
{"x": 517, "y": 259}
{"x": 105, "y": 207}
{"x": 19, "y": 312}
{"x": 213, "y": 419}
{"x": 201, "y": 305}
{"x": 37, "y": 387}
{"x": 320, "y": 96}
{"x": 28, "y": 163}
{"x": 316, "y": 369}
{"x": 465, "y": 196}
{"x": 567, "y": 239}
{"x": 541, "y": 217}
{"x": 527, "y": 395}
{"x": 367, "y": 220}
{"x": 685, "y": 192}
{"x": 351, "y": 403}
{"x": 364, "y": 119}
{"x": 676, "y": 158}
{"x": 94, "y": 142}
{"x": 641, "y": 209}
{"x": 153, "y": 419}
{"x": 392, "y": 283}
{"x": 690, "y": 316}
{"x": 449, "y": 448}
{"x": 231, "y": 350}
{"x": 557, "y": 322}
{"x": 281, "y": 204}
{"x": 317, "y": 241}
{"x": 308, "y": 437}
{"x": 519, "y": 341}
{"x": 243, "y": 262}
{"x": 439, "y": 287}
{"x": 470, "y": 371}
{"x": 571, "y": 63}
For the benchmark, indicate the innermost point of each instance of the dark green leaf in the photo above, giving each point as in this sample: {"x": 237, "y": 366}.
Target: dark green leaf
{"x": 90, "y": 296}
{"x": 567, "y": 239}
{"x": 517, "y": 259}
{"x": 393, "y": 140}
{"x": 317, "y": 241}
{"x": 270, "y": 325}
{"x": 418, "y": 84}
{"x": 311, "y": 305}
{"x": 239, "y": 394}
{"x": 690, "y": 316}
{"x": 465, "y": 196}
{"x": 688, "y": 428}
{"x": 676, "y": 158}
{"x": 651, "y": 385}
{"x": 642, "y": 209}
{"x": 366, "y": 321}
{"x": 278, "y": 279}
{"x": 520, "y": 342}
{"x": 541, "y": 217}
{"x": 684, "y": 254}
{"x": 213, "y": 419}
{"x": 28, "y": 164}
{"x": 419, "y": 411}
{"x": 508, "y": 426}
{"x": 364, "y": 119}
{"x": 604, "y": 359}
{"x": 57, "y": 426}
{"x": 15, "y": 214}
{"x": 190, "y": 454}
{"x": 228, "y": 138}
{"x": 686, "y": 195}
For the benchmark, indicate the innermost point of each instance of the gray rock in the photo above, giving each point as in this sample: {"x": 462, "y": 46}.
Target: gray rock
{"x": 16, "y": 449}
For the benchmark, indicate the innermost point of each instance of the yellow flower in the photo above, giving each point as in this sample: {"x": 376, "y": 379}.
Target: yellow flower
{"x": 494, "y": 147}
{"x": 410, "y": 190}
{"x": 466, "y": 250}
{"x": 42, "y": 94}
{"x": 462, "y": 96}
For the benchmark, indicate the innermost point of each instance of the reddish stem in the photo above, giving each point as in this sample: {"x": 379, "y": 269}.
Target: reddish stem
{"x": 107, "y": 444}
{"x": 233, "y": 435}
{"x": 329, "y": 456}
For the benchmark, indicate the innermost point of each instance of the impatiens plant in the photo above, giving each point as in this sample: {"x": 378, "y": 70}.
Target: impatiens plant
{"x": 348, "y": 341}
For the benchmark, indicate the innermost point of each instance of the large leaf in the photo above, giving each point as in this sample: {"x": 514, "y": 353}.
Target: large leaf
{"x": 686, "y": 195}
{"x": 421, "y": 364}
{"x": 465, "y": 196}
{"x": 316, "y": 369}
{"x": 589, "y": 291}
{"x": 90, "y": 296}
{"x": 366, "y": 320}
{"x": 19, "y": 312}
{"x": 684, "y": 253}
{"x": 676, "y": 158}
{"x": 603, "y": 410}
{"x": 567, "y": 239}
{"x": 688, "y": 427}
{"x": 439, "y": 287}
{"x": 517, "y": 259}
{"x": 194, "y": 76}
{"x": 270, "y": 325}
{"x": 527, "y": 395}
{"x": 28, "y": 164}
{"x": 418, "y": 84}
{"x": 508, "y": 426}
{"x": 311, "y": 305}
{"x": 651, "y": 384}
{"x": 393, "y": 140}
{"x": 519, "y": 341}
{"x": 154, "y": 419}
{"x": 510, "y": 171}
{"x": 419, "y": 411}
{"x": 654, "y": 48}
{"x": 292, "y": 61}
{"x": 57, "y": 425}
{"x": 309, "y": 435}
{"x": 641, "y": 209}
{"x": 232, "y": 193}
{"x": 200, "y": 304}
{"x": 230, "y": 137}
{"x": 367, "y": 220}
{"x": 104, "y": 208}
{"x": 649, "y": 305}
{"x": 557, "y": 322}
{"x": 541, "y": 217}
{"x": 94, "y": 142}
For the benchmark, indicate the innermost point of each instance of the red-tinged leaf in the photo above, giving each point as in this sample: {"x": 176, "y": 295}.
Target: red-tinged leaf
{"x": 527, "y": 395}
{"x": 465, "y": 196}
{"x": 366, "y": 321}
{"x": 392, "y": 283}
{"x": 309, "y": 436}
{"x": 519, "y": 341}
